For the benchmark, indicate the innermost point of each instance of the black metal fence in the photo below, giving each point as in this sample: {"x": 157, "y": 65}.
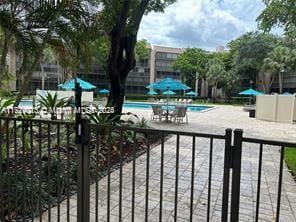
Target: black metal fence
{"x": 122, "y": 173}
{"x": 37, "y": 161}
{"x": 272, "y": 146}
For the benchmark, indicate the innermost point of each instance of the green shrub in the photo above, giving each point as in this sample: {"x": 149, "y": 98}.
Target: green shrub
{"x": 290, "y": 157}
{"x": 142, "y": 123}
{"x": 22, "y": 195}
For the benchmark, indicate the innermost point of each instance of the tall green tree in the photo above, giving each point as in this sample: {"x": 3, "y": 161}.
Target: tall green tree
{"x": 216, "y": 74}
{"x": 192, "y": 63}
{"x": 227, "y": 78}
{"x": 280, "y": 13}
{"x": 121, "y": 21}
{"x": 279, "y": 60}
{"x": 39, "y": 24}
{"x": 229, "y": 84}
{"x": 142, "y": 50}
{"x": 249, "y": 52}
{"x": 9, "y": 26}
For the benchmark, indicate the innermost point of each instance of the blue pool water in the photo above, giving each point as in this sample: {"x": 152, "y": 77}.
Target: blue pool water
{"x": 194, "y": 108}
{"x": 26, "y": 103}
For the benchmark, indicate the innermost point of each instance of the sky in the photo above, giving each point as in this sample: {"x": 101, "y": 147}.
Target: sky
{"x": 201, "y": 23}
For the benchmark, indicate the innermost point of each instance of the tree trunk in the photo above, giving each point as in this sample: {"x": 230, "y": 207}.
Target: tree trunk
{"x": 205, "y": 86}
{"x": 3, "y": 65}
{"x": 27, "y": 78}
{"x": 121, "y": 59}
{"x": 28, "y": 71}
{"x": 280, "y": 82}
{"x": 43, "y": 76}
{"x": 118, "y": 70}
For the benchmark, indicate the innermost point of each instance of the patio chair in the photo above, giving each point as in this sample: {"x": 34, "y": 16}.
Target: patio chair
{"x": 190, "y": 101}
{"x": 157, "y": 112}
{"x": 179, "y": 114}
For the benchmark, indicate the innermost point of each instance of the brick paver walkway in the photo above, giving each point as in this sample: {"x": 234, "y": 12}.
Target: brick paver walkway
{"x": 269, "y": 184}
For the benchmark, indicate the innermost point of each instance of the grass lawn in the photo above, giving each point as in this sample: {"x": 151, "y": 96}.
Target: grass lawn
{"x": 290, "y": 157}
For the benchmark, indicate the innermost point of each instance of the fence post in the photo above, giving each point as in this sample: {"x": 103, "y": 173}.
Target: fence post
{"x": 83, "y": 157}
{"x": 227, "y": 166}
{"x": 236, "y": 174}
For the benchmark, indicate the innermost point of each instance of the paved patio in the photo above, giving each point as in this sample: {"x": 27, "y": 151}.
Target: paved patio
{"x": 214, "y": 121}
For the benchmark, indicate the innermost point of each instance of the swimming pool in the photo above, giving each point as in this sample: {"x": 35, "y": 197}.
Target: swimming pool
{"x": 26, "y": 103}
{"x": 131, "y": 105}
{"x": 193, "y": 108}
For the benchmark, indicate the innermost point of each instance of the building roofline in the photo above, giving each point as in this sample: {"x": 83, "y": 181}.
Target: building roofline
{"x": 159, "y": 48}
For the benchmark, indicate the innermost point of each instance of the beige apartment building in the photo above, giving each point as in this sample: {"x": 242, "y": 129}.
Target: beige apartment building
{"x": 157, "y": 66}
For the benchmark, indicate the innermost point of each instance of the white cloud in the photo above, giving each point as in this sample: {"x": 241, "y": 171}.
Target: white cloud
{"x": 201, "y": 23}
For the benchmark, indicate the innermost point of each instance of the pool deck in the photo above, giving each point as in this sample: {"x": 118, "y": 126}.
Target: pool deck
{"x": 222, "y": 117}
{"x": 214, "y": 121}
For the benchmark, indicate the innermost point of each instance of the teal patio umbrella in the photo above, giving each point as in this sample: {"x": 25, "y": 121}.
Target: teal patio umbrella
{"x": 71, "y": 84}
{"x": 104, "y": 91}
{"x": 250, "y": 92}
{"x": 169, "y": 93}
{"x": 168, "y": 84}
{"x": 192, "y": 93}
{"x": 152, "y": 93}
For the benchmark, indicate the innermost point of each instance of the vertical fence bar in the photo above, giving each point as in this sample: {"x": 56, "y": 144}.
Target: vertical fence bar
{"x": 49, "y": 168}
{"x": 177, "y": 178}
{"x": 58, "y": 172}
{"x": 97, "y": 175}
{"x": 68, "y": 171}
{"x": 259, "y": 182}
{"x": 109, "y": 174}
{"x": 134, "y": 176}
{"x": 23, "y": 165}
{"x": 32, "y": 161}
{"x": 15, "y": 160}
{"x": 161, "y": 177}
{"x": 210, "y": 179}
{"x": 40, "y": 169}
{"x": 147, "y": 179}
{"x": 236, "y": 174}
{"x": 83, "y": 155}
{"x": 8, "y": 168}
{"x": 192, "y": 178}
{"x": 120, "y": 175}
{"x": 226, "y": 174}
{"x": 278, "y": 208}
{"x": 1, "y": 175}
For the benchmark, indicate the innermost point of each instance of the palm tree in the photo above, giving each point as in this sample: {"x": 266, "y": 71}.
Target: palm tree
{"x": 52, "y": 103}
{"x": 279, "y": 60}
{"x": 36, "y": 28}
{"x": 216, "y": 74}
{"x": 48, "y": 57}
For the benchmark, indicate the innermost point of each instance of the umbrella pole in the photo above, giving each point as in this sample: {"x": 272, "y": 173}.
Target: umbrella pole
{"x": 250, "y": 99}
{"x": 167, "y": 109}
